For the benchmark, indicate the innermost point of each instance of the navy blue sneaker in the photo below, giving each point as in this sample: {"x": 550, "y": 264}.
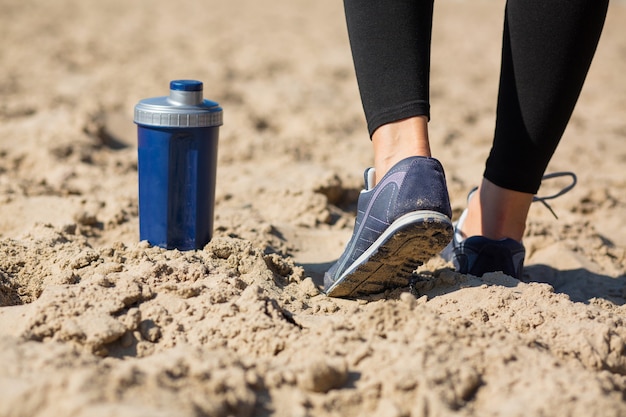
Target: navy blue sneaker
{"x": 401, "y": 223}
{"x": 477, "y": 255}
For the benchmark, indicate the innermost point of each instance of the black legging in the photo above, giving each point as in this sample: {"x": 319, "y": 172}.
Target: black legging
{"x": 547, "y": 49}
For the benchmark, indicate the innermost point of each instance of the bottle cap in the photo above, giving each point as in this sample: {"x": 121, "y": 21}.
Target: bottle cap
{"x": 184, "y": 107}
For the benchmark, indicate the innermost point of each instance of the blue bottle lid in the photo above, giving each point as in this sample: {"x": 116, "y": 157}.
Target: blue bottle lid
{"x": 184, "y": 107}
{"x": 186, "y": 85}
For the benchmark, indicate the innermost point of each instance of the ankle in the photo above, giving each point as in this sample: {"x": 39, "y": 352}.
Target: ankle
{"x": 496, "y": 213}
{"x": 396, "y": 141}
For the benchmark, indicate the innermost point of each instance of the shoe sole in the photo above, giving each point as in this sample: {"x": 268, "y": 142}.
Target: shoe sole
{"x": 391, "y": 260}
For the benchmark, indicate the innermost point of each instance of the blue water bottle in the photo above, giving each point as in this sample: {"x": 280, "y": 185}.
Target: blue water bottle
{"x": 177, "y": 150}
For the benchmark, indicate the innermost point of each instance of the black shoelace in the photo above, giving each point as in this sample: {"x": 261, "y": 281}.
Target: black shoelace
{"x": 564, "y": 190}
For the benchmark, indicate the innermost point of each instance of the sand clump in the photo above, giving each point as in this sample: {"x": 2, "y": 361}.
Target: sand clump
{"x": 94, "y": 322}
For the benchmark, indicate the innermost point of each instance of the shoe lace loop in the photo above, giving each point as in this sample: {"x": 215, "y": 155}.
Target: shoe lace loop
{"x": 564, "y": 190}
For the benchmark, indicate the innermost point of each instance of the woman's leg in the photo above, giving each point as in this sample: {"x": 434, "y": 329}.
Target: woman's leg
{"x": 390, "y": 43}
{"x": 547, "y": 50}
{"x": 404, "y": 219}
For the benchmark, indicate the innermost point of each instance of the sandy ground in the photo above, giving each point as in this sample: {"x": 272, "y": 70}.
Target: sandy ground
{"x": 95, "y": 323}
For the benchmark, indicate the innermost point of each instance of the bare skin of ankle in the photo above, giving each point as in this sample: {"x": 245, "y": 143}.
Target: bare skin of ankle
{"x": 497, "y": 213}
{"x": 398, "y": 140}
